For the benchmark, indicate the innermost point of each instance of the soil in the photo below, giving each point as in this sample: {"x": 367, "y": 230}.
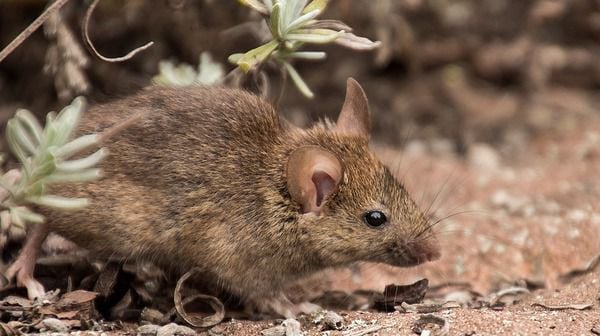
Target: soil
{"x": 487, "y": 111}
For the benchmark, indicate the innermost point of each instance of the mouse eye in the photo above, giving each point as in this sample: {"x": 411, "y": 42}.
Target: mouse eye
{"x": 375, "y": 218}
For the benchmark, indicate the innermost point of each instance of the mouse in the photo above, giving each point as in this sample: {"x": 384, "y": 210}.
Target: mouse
{"x": 215, "y": 178}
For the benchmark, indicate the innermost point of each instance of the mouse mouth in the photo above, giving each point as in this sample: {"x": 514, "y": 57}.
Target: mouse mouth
{"x": 413, "y": 254}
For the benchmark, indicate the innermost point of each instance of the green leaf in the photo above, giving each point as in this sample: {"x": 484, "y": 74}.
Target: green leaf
{"x": 59, "y": 202}
{"x": 209, "y": 71}
{"x": 316, "y": 4}
{"x": 235, "y": 58}
{"x": 68, "y": 119}
{"x": 299, "y": 22}
{"x": 21, "y": 137}
{"x": 43, "y": 168}
{"x": 16, "y": 219}
{"x": 84, "y": 175}
{"x": 275, "y": 24}
{"x": 84, "y": 163}
{"x": 27, "y": 215}
{"x": 35, "y": 189}
{"x": 314, "y": 37}
{"x": 73, "y": 147}
{"x": 295, "y": 8}
{"x": 174, "y": 75}
{"x": 298, "y": 81}
{"x": 31, "y": 124}
{"x": 256, "y": 55}
{"x": 308, "y": 55}
{"x": 13, "y": 143}
{"x": 256, "y": 5}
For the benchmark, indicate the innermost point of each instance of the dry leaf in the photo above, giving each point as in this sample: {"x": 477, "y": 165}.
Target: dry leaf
{"x": 394, "y": 295}
{"x": 193, "y": 319}
{"x": 76, "y": 297}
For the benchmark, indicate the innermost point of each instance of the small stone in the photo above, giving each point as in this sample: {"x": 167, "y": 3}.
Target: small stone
{"x": 274, "y": 331}
{"x": 333, "y": 320}
{"x": 54, "y": 324}
{"x": 216, "y": 330}
{"x": 148, "y": 330}
{"x": 292, "y": 327}
{"x": 173, "y": 329}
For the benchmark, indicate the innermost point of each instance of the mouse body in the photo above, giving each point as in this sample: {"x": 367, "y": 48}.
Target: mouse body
{"x": 215, "y": 178}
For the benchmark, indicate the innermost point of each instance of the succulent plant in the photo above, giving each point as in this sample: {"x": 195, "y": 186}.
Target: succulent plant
{"x": 293, "y": 24}
{"x": 209, "y": 73}
{"x": 46, "y": 157}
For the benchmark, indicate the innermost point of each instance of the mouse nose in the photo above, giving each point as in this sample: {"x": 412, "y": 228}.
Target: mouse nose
{"x": 424, "y": 250}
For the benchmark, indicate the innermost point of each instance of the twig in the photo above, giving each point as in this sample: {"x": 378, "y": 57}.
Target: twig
{"x": 117, "y": 128}
{"x": 88, "y": 42}
{"x": 56, "y": 5}
{"x": 367, "y": 331}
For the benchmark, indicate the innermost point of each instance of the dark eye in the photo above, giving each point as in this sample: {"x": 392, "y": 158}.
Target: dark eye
{"x": 375, "y": 218}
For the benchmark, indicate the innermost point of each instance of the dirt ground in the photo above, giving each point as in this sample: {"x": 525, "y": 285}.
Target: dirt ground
{"x": 488, "y": 112}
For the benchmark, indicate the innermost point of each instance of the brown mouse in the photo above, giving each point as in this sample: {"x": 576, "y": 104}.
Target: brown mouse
{"x": 214, "y": 178}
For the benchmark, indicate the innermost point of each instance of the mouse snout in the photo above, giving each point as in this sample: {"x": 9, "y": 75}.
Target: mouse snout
{"x": 422, "y": 251}
{"x": 430, "y": 249}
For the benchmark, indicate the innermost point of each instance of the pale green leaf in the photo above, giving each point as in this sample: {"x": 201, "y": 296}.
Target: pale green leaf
{"x": 73, "y": 147}
{"x": 84, "y": 175}
{"x": 308, "y": 55}
{"x": 60, "y": 202}
{"x": 256, "y": 55}
{"x": 27, "y": 215}
{"x": 298, "y": 81}
{"x": 299, "y": 22}
{"x": 209, "y": 71}
{"x": 84, "y": 163}
{"x": 315, "y": 38}
{"x": 316, "y": 4}
{"x": 31, "y": 124}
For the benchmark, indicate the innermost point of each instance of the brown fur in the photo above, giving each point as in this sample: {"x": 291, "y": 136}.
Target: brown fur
{"x": 199, "y": 181}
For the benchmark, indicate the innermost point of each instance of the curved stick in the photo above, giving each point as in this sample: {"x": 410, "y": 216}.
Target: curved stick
{"x": 90, "y": 45}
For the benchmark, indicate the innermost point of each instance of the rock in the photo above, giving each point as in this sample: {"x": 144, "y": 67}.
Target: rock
{"x": 333, "y": 320}
{"x": 292, "y": 327}
{"x": 274, "y": 331}
{"x": 173, "y": 329}
{"x": 54, "y": 324}
{"x": 148, "y": 330}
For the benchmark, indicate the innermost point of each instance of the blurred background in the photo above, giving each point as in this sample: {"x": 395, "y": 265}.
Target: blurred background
{"x": 488, "y": 110}
{"x": 457, "y": 72}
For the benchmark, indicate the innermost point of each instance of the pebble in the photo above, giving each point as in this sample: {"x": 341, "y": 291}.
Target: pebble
{"x": 333, "y": 320}
{"x": 148, "y": 330}
{"x": 292, "y": 327}
{"x": 173, "y": 329}
{"x": 54, "y": 324}
{"x": 274, "y": 331}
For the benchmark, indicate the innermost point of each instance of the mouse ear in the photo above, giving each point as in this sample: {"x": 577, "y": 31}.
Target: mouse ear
{"x": 355, "y": 117}
{"x": 313, "y": 174}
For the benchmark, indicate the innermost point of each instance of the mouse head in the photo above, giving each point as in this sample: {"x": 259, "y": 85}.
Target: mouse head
{"x": 352, "y": 208}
